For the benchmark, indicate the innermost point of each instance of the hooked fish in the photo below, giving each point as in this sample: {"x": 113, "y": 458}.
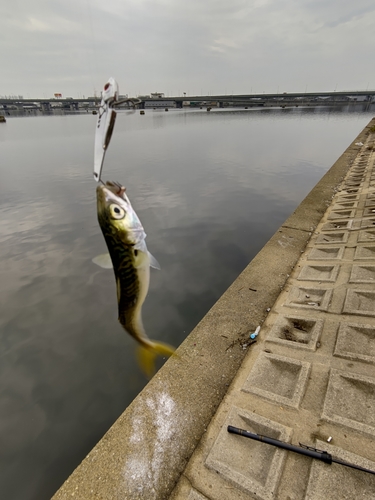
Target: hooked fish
{"x": 131, "y": 261}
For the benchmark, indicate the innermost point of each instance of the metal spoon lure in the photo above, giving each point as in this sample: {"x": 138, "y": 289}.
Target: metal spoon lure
{"x": 105, "y": 124}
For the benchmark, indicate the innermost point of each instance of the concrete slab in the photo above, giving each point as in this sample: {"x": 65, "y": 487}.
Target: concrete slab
{"x": 341, "y": 214}
{"x": 350, "y": 401}
{"x": 280, "y": 379}
{"x": 337, "y": 481}
{"x": 356, "y": 341}
{"x": 249, "y": 465}
{"x": 360, "y": 302}
{"x": 347, "y": 197}
{"x": 334, "y": 226}
{"x": 365, "y": 252}
{"x": 195, "y": 495}
{"x": 340, "y": 205}
{"x": 362, "y": 274}
{"x": 328, "y": 253}
{"x": 370, "y": 223}
{"x": 365, "y": 236}
{"x": 317, "y": 299}
{"x": 332, "y": 238}
{"x": 296, "y": 332}
{"x": 369, "y": 211}
{"x": 319, "y": 273}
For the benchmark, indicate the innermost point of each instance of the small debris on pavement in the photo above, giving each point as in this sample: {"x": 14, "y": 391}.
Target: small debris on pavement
{"x": 255, "y": 334}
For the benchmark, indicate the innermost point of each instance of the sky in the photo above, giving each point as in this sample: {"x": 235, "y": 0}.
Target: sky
{"x": 193, "y": 46}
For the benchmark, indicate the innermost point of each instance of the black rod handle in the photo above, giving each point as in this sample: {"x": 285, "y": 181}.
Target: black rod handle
{"x": 319, "y": 455}
{"x": 324, "y": 456}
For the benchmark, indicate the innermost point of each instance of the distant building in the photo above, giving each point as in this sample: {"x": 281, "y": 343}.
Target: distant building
{"x": 160, "y": 104}
{"x": 360, "y": 98}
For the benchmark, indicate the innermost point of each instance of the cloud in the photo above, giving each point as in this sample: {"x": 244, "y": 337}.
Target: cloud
{"x": 170, "y": 45}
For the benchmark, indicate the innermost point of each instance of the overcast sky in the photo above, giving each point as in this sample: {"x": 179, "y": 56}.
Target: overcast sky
{"x": 192, "y": 46}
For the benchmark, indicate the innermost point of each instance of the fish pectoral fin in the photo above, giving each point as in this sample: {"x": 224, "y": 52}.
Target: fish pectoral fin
{"x": 146, "y": 356}
{"x": 103, "y": 260}
{"x": 153, "y": 262}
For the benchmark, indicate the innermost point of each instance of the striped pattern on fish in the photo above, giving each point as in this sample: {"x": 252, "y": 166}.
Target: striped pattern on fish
{"x": 125, "y": 239}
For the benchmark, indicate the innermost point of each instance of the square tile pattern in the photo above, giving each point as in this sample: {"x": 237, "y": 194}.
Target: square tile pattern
{"x": 334, "y": 226}
{"x": 360, "y": 302}
{"x": 296, "y": 332}
{"x": 327, "y": 253}
{"x": 338, "y": 481}
{"x": 364, "y": 252}
{"x": 319, "y": 273}
{"x": 366, "y": 236}
{"x": 350, "y": 401}
{"x": 328, "y": 238}
{"x": 249, "y": 465}
{"x": 309, "y": 298}
{"x": 341, "y": 214}
{"x": 362, "y": 274}
{"x": 356, "y": 342}
{"x": 279, "y": 379}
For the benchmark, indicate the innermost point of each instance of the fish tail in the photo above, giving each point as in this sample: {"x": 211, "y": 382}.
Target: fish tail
{"x": 147, "y": 355}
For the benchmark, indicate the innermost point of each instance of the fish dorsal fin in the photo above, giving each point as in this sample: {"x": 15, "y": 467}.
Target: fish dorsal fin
{"x": 153, "y": 262}
{"x": 103, "y": 260}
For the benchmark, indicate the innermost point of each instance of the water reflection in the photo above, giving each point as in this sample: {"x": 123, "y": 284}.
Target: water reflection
{"x": 210, "y": 189}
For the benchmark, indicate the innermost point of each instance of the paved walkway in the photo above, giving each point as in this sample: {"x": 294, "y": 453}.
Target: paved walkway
{"x": 310, "y": 377}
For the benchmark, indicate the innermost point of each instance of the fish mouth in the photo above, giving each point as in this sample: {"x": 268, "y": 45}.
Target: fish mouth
{"x": 111, "y": 188}
{"x": 116, "y": 188}
{"x": 103, "y": 197}
{"x": 100, "y": 197}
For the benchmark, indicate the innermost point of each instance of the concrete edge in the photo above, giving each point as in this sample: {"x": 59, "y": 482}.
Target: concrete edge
{"x": 146, "y": 450}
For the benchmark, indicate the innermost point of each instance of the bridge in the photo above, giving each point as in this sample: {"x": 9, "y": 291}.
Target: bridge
{"x": 246, "y": 100}
{"x": 249, "y": 100}
{"x": 48, "y": 104}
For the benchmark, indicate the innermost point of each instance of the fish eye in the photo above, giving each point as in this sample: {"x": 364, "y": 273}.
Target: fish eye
{"x": 116, "y": 211}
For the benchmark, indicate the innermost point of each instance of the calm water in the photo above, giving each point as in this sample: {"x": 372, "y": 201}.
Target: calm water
{"x": 210, "y": 189}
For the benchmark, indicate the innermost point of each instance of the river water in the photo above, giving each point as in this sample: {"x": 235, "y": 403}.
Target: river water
{"x": 210, "y": 190}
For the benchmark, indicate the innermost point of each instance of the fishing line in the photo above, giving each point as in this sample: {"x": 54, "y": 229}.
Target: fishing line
{"x": 89, "y": 43}
{"x": 93, "y": 36}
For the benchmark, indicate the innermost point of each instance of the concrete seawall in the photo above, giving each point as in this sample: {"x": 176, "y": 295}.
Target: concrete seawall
{"x": 146, "y": 451}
